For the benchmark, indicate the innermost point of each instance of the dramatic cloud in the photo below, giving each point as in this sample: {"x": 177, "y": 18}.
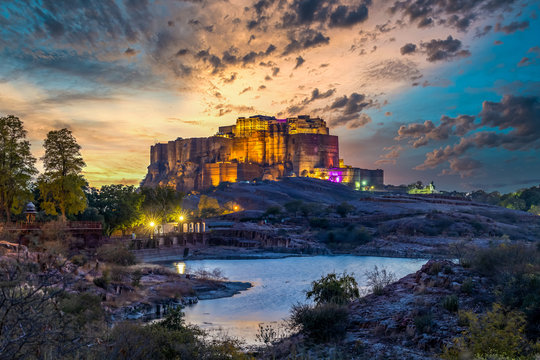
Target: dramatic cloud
{"x": 299, "y": 61}
{"x": 346, "y": 111}
{"x": 447, "y": 49}
{"x": 422, "y": 133}
{"x": 407, "y": 49}
{"x": 512, "y": 124}
{"x": 305, "y": 39}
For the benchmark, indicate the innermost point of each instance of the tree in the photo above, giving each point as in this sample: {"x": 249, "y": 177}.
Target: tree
{"x": 161, "y": 203}
{"x": 208, "y": 207}
{"x": 334, "y": 288}
{"x": 344, "y": 208}
{"x": 16, "y": 165}
{"x": 61, "y": 186}
{"x": 120, "y": 206}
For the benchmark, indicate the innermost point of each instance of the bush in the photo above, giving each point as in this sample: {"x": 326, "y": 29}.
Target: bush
{"x": 377, "y": 279}
{"x": 79, "y": 259}
{"x": 344, "y": 208}
{"x": 104, "y": 280}
{"x": 85, "y": 307}
{"x": 136, "y": 278}
{"x": 117, "y": 254}
{"x": 499, "y": 333}
{"x": 468, "y": 286}
{"x": 293, "y": 207}
{"x": 333, "y": 288}
{"x": 273, "y": 211}
{"x": 321, "y": 223}
{"x": 423, "y": 322}
{"x": 450, "y": 303}
{"x": 320, "y": 323}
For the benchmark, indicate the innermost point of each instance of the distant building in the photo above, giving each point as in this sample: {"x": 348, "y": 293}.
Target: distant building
{"x": 257, "y": 147}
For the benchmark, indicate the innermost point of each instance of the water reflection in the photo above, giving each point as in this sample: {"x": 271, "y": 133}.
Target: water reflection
{"x": 180, "y": 267}
{"x": 277, "y": 285}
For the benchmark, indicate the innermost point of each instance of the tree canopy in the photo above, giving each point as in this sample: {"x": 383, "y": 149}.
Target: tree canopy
{"x": 61, "y": 186}
{"x": 16, "y": 166}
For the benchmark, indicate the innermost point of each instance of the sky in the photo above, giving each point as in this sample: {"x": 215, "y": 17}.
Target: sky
{"x": 432, "y": 90}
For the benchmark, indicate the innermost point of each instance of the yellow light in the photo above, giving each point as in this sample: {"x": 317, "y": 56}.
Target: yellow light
{"x": 235, "y": 208}
{"x": 180, "y": 267}
{"x": 181, "y": 218}
{"x": 152, "y": 224}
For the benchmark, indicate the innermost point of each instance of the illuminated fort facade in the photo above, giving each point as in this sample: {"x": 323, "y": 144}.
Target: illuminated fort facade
{"x": 257, "y": 147}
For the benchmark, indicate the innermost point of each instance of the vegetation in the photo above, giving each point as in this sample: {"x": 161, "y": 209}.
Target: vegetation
{"x": 208, "y": 207}
{"x": 328, "y": 318}
{"x": 61, "y": 186}
{"x": 377, "y": 279}
{"x": 345, "y": 238}
{"x": 116, "y": 253}
{"x": 16, "y": 166}
{"x": 119, "y": 205}
{"x": 344, "y": 209}
{"x": 334, "y": 288}
{"x": 524, "y": 199}
{"x": 161, "y": 204}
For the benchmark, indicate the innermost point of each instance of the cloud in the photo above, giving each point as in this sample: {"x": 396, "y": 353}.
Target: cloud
{"x": 393, "y": 152}
{"x": 299, "y": 61}
{"x": 512, "y": 27}
{"x": 305, "y": 39}
{"x": 345, "y": 16}
{"x": 130, "y": 52}
{"x": 465, "y": 167}
{"x": 408, "y": 49}
{"x": 346, "y": 111}
{"x": 422, "y": 133}
{"x": 324, "y": 12}
{"x": 438, "y": 49}
{"x": 512, "y": 124}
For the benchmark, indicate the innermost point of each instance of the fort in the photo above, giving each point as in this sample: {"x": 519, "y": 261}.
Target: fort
{"x": 256, "y": 148}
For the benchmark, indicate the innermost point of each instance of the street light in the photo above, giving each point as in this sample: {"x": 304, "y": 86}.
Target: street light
{"x": 152, "y": 225}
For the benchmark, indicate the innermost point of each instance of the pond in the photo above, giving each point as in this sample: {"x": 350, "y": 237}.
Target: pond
{"x": 277, "y": 285}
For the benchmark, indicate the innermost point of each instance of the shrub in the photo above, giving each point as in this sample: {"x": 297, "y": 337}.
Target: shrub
{"x": 468, "y": 286}
{"x": 273, "y": 211}
{"x": 293, "y": 206}
{"x": 423, "y": 322}
{"x": 79, "y": 259}
{"x": 85, "y": 307}
{"x": 377, "y": 279}
{"x": 334, "y": 288}
{"x": 216, "y": 274}
{"x": 104, "y": 280}
{"x": 117, "y": 254}
{"x": 498, "y": 333}
{"x": 321, "y": 223}
{"x": 320, "y": 323}
{"x": 269, "y": 334}
{"x": 344, "y": 208}
{"x": 450, "y": 303}
{"x": 136, "y": 277}
{"x": 345, "y": 239}
{"x": 435, "y": 268}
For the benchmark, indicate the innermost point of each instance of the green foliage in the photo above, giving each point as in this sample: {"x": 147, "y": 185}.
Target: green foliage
{"x": 344, "y": 209}
{"x": 497, "y": 333}
{"x": 85, "y": 307}
{"x": 333, "y": 288}
{"x": 61, "y": 184}
{"x": 160, "y": 204}
{"x": 377, "y": 279}
{"x": 208, "y": 207}
{"x": 468, "y": 286}
{"x": 169, "y": 339}
{"x": 116, "y": 253}
{"x": 16, "y": 166}
{"x": 79, "y": 259}
{"x": 525, "y": 199}
{"x": 120, "y": 206}
{"x": 450, "y": 303}
{"x": 320, "y": 323}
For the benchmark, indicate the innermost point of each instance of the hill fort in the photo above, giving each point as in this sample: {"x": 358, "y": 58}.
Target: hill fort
{"x": 257, "y": 147}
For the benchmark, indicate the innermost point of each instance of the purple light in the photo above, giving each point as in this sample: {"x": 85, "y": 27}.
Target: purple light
{"x": 335, "y": 176}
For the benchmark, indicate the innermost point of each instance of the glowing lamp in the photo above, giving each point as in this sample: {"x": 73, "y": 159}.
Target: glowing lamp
{"x": 152, "y": 224}
{"x": 364, "y": 182}
{"x": 181, "y": 218}
{"x": 235, "y": 208}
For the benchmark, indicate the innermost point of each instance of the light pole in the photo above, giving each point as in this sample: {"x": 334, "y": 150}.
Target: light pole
{"x": 152, "y": 226}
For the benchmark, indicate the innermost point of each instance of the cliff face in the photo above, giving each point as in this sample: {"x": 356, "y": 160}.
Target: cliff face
{"x": 256, "y": 147}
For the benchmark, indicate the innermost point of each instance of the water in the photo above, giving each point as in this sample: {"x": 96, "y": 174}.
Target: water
{"x": 277, "y": 285}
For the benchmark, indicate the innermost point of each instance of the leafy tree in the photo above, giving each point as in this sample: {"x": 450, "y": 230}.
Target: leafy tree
{"x": 120, "y": 206}
{"x": 16, "y": 165}
{"x": 208, "y": 206}
{"x": 161, "y": 203}
{"x": 61, "y": 186}
{"x": 334, "y": 288}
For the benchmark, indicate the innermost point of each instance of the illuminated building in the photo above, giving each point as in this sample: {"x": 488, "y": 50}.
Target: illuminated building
{"x": 257, "y": 147}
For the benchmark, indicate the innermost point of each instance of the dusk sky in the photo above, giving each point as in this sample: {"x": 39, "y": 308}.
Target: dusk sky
{"x": 442, "y": 90}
